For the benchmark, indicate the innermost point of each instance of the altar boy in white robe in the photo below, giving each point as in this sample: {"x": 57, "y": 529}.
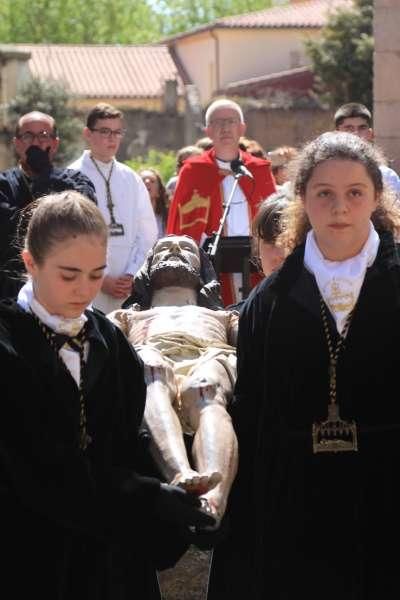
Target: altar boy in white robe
{"x": 123, "y": 200}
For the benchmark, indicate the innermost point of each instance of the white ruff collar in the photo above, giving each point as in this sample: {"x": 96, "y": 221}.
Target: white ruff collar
{"x": 26, "y": 299}
{"x": 339, "y": 282}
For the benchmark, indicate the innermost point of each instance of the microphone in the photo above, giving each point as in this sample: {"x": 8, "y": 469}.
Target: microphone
{"x": 239, "y": 169}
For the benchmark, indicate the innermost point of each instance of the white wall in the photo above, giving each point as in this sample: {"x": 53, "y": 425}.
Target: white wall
{"x": 251, "y": 53}
{"x": 386, "y": 79}
{"x": 197, "y": 55}
{"x": 242, "y": 54}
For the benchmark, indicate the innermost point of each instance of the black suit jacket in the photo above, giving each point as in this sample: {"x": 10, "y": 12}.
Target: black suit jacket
{"x": 16, "y": 193}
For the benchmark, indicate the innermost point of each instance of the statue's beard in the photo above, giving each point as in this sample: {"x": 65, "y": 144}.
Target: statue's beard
{"x": 170, "y": 273}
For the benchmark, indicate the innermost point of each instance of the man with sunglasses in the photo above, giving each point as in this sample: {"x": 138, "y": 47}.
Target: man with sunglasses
{"x": 36, "y": 142}
{"x": 123, "y": 200}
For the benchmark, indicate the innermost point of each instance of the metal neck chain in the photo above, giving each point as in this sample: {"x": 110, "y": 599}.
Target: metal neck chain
{"x": 76, "y": 343}
{"x": 110, "y": 204}
{"x": 333, "y": 351}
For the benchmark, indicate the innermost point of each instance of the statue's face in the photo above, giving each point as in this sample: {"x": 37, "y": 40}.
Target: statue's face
{"x": 177, "y": 249}
{"x": 176, "y": 261}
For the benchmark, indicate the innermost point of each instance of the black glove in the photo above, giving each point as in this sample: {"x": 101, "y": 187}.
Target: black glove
{"x": 38, "y": 160}
{"x": 209, "y": 537}
{"x": 177, "y": 506}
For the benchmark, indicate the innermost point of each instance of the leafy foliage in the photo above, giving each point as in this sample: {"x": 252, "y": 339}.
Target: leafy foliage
{"x": 182, "y": 15}
{"x": 110, "y": 21}
{"x": 343, "y": 57}
{"x": 76, "y": 22}
{"x": 164, "y": 162}
{"x": 51, "y": 98}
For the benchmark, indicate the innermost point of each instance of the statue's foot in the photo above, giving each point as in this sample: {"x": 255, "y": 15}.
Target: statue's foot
{"x": 198, "y": 483}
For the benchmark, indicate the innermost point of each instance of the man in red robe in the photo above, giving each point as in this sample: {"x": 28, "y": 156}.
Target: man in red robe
{"x": 206, "y": 181}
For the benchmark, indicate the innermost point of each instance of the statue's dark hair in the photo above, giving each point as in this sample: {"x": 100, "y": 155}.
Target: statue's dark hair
{"x": 209, "y": 293}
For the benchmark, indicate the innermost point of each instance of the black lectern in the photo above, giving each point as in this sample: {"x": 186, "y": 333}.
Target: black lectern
{"x": 233, "y": 256}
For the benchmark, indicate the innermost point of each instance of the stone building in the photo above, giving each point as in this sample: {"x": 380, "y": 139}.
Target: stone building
{"x": 386, "y": 78}
{"x": 163, "y": 88}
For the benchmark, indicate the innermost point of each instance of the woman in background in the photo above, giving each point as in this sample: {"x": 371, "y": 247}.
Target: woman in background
{"x": 158, "y": 196}
{"x": 267, "y": 255}
{"x": 181, "y": 156}
{"x": 267, "y": 226}
{"x": 281, "y": 158}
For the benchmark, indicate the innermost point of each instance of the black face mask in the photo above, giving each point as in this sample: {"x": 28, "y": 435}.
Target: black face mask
{"x": 38, "y": 160}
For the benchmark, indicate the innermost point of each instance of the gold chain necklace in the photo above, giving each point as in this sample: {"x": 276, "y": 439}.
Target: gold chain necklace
{"x": 76, "y": 343}
{"x": 334, "y": 434}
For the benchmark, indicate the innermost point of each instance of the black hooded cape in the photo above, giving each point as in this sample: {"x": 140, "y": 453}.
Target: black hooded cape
{"x": 75, "y": 525}
{"x": 304, "y": 524}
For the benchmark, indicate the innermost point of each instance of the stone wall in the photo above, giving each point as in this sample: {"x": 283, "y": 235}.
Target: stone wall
{"x": 163, "y": 131}
{"x": 270, "y": 127}
{"x": 386, "y": 78}
{"x": 170, "y": 130}
{"x": 290, "y": 127}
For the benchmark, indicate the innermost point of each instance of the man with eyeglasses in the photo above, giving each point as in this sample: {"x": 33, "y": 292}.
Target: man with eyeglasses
{"x": 206, "y": 181}
{"x": 36, "y": 142}
{"x": 355, "y": 118}
{"x": 123, "y": 200}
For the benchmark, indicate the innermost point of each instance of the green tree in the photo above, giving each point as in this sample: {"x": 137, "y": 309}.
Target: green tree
{"x": 343, "y": 58}
{"x": 110, "y": 21}
{"x": 51, "y": 98}
{"x": 182, "y": 15}
{"x": 164, "y": 162}
{"x": 77, "y": 22}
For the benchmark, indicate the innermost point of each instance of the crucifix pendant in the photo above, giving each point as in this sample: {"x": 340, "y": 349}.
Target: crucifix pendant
{"x": 334, "y": 434}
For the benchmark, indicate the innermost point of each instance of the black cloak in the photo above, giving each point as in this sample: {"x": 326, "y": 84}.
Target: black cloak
{"x": 304, "y": 524}
{"x": 75, "y": 525}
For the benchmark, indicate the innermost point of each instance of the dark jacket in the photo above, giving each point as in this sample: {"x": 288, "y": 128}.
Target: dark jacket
{"x": 305, "y": 524}
{"x": 75, "y": 525}
{"x": 16, "y": 193}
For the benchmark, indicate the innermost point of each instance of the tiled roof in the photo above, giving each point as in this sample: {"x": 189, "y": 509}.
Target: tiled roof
{"x": 310, "y": 13}
{"x": 300, "y": 78}
{"x": 105, "y": 71}
{"x": 300, "y": 14}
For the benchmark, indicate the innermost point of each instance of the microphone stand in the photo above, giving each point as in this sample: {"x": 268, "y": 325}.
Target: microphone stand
{"x": 212, "y": 248}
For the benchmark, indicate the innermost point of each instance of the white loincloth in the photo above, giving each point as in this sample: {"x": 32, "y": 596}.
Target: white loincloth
{"x": 184, "y": 355}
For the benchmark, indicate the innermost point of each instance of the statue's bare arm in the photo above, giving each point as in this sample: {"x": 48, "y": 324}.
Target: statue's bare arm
{"x": 232, "y": 329}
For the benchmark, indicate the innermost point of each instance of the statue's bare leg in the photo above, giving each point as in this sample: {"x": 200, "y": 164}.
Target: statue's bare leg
{"x": 214, "y": 449}
{"x": 167, "y": 443}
